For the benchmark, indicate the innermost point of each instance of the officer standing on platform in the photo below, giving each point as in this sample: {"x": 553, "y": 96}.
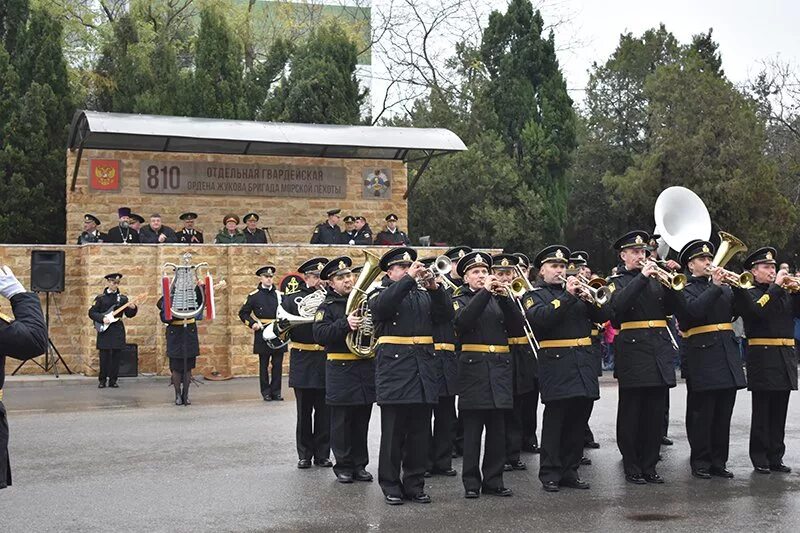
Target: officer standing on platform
{"x": 392, "y": 236}
{"x": 349, "y": 379}
{"x": 328, "y": 232}
{"x": 257, "y": 311}
{"x": 252, "y": 234}
{"x": 307, "y": 371}
{"x": 189, "y": 235}
{"x": 644, "y": 357}
{"x": 349, "y": 234}
{"x": 768, "y": 311}
{"x": 111, "y": 342}
{"x": 363, "y": 232}
{"x": 563, "y": 320}
{"x": 90, "y": 233}
{"x": 406, "y": 375}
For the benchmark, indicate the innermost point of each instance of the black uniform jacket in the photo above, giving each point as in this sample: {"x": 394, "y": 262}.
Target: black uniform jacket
{"x": 24, "y": 337}
{"x": 643, "y": 357}
{"x": 387, "y": 238}
{"x": 259, "y": 236}
{"x": 555, "y": 314}
{"x": 523, "y": 360}
{"x": 446, "y": 358}
{"x": 114, "y": 337}
{"x": 711, "y": 360}
{"x": 768, "y": 312}
{"x": 306, "y": 367}
{"x": 347, "y": 382}
{"x": 364, "y": 236}
{"x": 485, "y": 379}
{"x": 149, "y": 236}
{"x": 326, "y": 234}
{"x": 189, "y": 236}
{"x": 407, "y": 373}
{"x": 182, "y": 341}
{"x": 263, "y": 304}
{"x": 94, "y": 236}
{"x": 120, "y": 235}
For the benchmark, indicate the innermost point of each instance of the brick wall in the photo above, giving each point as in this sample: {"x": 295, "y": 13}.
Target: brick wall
{"x": 291, "y": 220}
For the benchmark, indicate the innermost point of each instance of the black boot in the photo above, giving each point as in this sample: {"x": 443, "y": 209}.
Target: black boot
{"x": 185, "y": 395}
{"x": 178, "y": 398}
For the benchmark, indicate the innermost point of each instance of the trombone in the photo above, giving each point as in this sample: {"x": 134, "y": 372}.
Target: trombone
{"x": 515, "y": 290}
{"x": 671, "y": 280}
{"x": 593, "y": 290}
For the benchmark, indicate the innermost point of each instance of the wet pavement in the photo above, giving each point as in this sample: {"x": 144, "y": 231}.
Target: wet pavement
{"x": 126, "y": 459}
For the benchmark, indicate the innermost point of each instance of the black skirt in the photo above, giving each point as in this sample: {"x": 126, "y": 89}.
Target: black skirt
{"x": 178, "y": 365}
{"x": 5, "y": 463}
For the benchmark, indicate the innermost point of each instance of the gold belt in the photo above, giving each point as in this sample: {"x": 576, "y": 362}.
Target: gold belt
{"x": 182, "y": 321}
{"x": 266, "y": 320}
{"x": 770, "y": 342}
{"x": 517, "y": 340}
{"x": 643, "y": 324}
{"x": 595, "y": 332}
{"x": 345, "y": 357}
{"x": 308, "y": 347}
{"x": 709, "y": 328}
{"x": 491, "y": 348}
{"x": 1, "y": 395}
{"x": 390, "y": 339}
{"x": 566, "y": 343}
{"x": 444, "y": 346}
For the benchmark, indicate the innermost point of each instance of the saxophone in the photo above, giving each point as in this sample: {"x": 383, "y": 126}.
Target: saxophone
{"x": 362, "y": 342}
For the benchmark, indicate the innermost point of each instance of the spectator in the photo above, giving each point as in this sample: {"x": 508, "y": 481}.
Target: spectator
{"x": 136, "y": 222}
{"x": 328, "y": 232}
{"x": 90, "y": 232}
{"x": 189, "y": 235}
{"x": 252, "y": 234}
{"x": 123, "y": 233}
{"x": 363, "y": 232}
{"x": 392, "y": 236}
{"x": 157, "y": 233}
{"x": 230, "y": 234}
{"x": 609, "y": 333}
{"x": 348, "y": 236}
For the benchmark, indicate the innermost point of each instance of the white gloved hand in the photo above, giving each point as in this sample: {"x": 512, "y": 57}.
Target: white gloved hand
{"x": 9, "y": 284}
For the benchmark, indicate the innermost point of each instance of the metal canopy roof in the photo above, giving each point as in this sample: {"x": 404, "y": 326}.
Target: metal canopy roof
{"x": 118, "y": 131}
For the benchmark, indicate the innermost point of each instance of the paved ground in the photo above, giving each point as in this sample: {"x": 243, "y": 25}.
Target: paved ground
{"x": 127, "y": 460}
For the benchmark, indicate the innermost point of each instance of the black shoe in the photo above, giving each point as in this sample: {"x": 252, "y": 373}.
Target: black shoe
{"x": 507, "y": 467}
{"x": 591, "y": 445}
{"x": 519, "y": 465}
{"x": 420, "y": 498}
{"x": 585, "y": 461}
{"x": 471, "y": 494}
{"x": 780, "y": 467}
{"x": 636, "y": 479}
{"x": 304, "y": 463}
{"x": 393, "y": 500}
{"x": 325, "y": 463}
{"x": 666, "y": 441}
{"x": 530, "y": 448}
{"x": 427, "y": 474}
{"x": 178, "y": 399}
{"x": 762, "y": 469}
{"x": 701, "y": 473}
{"x": 576, "y": 483}
{"x": 344, "y": 477}
{"x": 185, "y": 397}
{"x": 550, "y": 486}
{"x": 499, "y": 491}
{"x": 113, "y": 384}
{"x": 101, "y": 385}
{"x": 653, "y": 478}
{"x": 277, "y": 397}
{"x": 720, "y": 472}
{"x": 267, "y": 398}
{"x": 450, "y": 472}
{"x": 362, "y": 475}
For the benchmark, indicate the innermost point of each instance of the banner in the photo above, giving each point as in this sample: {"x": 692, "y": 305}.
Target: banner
{"x": 225, "y": 179}
{"x": 104, "y": 174}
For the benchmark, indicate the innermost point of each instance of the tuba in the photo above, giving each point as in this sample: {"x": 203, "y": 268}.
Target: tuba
{"x": 361, "y": 342}
{"x": 681, "y": 216}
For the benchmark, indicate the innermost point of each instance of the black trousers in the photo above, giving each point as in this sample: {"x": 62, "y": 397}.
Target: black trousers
{"x": 665, "y": 428}
{"x": 588, "y": 436}
{"x": 640, "y": 422}
{"x": 109, "y": 365}
{"x": 563, "y": 424}
{"x": 530, "y": 408}
{"x": 440, "y": 456}
{"x": 514, "y": 429}
{"x": 708, "y": 427}
{"x": 768, "y": 427}
{"x": 405, "y": 438}
{"x": 313, "y": 424}
{"x": 5, "y": 462}
{"x": 270, "y": 384}
{"x": 349, "y": 427}
{"x": 494, "y": 455}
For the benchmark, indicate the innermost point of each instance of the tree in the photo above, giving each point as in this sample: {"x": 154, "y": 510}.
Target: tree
{"x": 13, "y": 15}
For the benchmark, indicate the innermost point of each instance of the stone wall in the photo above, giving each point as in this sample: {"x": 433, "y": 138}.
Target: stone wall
{"x": 225, "y": 343}
{"x": 291, "y": 220}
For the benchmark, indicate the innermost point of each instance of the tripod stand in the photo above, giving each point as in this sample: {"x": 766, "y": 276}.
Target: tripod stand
{"x": 50, "y": 361}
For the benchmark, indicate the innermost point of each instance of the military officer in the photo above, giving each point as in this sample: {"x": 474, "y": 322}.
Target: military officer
{"x": 713, "y": 365}
{"x": 136, "y": 222}
{"x": 189, "y": 235}
{"x": 563, "y": 319}
{"x": 392, "y": 236}
{"x": 406, "y": 373}
{"x": 644, "y": 357}
{"x": 349, "y": 379}
{"x": 90, "y": 233}
{"x": 23, "y": 337}
{"x": 123, "y": 232}
{"x": 257, "y": 311}
{"x": 485, "y": 375}
{"x": 768, "y": 311}
{"x": 328, "y": 232}
{"x": 253, "y": 234}
{"x": 230, "y": 233}
{"x": 111, "y": 341}
{"x": 530, "y": 443}
{"x": 307, "y": 371}
{"x": 348, "y": 236}
{"x": 363, "y": 232}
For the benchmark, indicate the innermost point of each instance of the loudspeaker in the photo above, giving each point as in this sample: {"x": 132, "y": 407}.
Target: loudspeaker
{"x": 47, "y": 270}
{"x": 129, "y": 361}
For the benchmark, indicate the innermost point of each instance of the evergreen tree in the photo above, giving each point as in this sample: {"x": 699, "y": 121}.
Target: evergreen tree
{"x": 13, "y": 16}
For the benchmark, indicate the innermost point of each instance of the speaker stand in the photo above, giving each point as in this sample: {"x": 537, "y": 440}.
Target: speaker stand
{"x": 50, "y": 362}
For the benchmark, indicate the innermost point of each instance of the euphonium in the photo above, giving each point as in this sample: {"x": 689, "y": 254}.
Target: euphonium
{"x": 361, "y": 342}
{"x": 730, "y": 245}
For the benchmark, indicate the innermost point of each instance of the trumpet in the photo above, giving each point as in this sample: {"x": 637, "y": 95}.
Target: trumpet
{"x": 791, "y": 284}
{"x": 744, "y": 280}
{"x": 442, "y": 266}
{"x": 598, "y": 295}
{"x": 671, "y": 280}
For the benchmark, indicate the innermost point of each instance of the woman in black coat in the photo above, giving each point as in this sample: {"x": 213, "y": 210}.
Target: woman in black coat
{"x": 183, "y": 347}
